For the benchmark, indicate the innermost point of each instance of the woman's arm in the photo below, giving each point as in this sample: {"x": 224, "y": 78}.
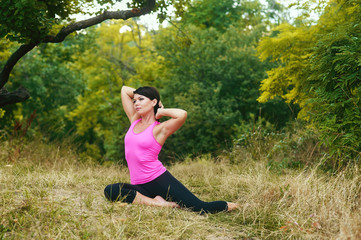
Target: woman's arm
{"x": 127, "y": 101}
{"x": 167, "y": 128}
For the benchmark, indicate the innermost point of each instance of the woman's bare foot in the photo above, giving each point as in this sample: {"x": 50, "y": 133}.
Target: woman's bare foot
{"x": 231, "y": 206}
{"x": 157, "y": 201}
{"x": 166, "y": 203}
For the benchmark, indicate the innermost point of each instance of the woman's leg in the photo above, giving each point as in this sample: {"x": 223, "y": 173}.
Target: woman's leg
{"x": 134, "y": 194}
{"x": 168, "y": 186}
{"x": 123, "y": 192}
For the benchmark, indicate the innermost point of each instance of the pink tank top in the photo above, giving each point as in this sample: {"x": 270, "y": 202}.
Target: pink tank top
{"x": 141, "y": 153}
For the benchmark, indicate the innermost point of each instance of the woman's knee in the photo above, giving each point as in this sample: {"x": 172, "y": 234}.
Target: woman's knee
{"x": 116, "y": 192}
{"x": 111, "y": 192}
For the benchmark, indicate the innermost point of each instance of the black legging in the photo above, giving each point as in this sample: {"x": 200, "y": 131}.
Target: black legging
{"x": 166, "y": 186}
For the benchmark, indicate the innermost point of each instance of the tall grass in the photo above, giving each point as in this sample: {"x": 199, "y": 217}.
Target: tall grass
{"x": 49, "y": 193}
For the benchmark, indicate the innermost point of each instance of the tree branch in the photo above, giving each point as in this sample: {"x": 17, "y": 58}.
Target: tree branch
{"x": 18, "y": 95}
{"x": 126, "y": 14}
{"x": 13, "y": 59}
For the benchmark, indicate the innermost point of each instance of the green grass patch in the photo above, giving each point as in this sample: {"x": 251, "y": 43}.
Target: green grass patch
{"x": 49, "y": 194}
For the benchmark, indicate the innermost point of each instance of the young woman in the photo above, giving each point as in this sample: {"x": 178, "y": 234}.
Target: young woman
{"x": 151, "y": 183}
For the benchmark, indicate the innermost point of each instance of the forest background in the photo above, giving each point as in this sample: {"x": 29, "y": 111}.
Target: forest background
{"x": 233, "y": 65}
{"x": 273, "y": 102}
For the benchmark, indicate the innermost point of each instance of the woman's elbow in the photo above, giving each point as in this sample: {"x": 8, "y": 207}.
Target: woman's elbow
{"x": 184, "y": 114}
{"x": 123, "y": 90}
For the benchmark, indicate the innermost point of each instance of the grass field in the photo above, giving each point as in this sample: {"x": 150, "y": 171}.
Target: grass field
{"x": 47, "y": 193}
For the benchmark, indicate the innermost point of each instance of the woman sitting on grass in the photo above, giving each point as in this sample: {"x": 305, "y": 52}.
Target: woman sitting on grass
{"x": 151, "y": 183}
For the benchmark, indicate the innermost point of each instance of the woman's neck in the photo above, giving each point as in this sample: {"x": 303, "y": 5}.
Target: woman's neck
{"x": 148, "y": 119}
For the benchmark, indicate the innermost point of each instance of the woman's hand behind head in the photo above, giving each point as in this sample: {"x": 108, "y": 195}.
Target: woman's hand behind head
{"x": 159, "y": 111}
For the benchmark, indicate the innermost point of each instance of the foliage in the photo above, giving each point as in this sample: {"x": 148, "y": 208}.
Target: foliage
{"x": 54, "y": 85}
{"x": 30, "y": 20}
{"x": 291, "y": 49}
{"x": 295, "y": 146}
{"x": 222, "y": 14}
{"x": 25, "y": 20}
{"x": 162, "y": 7}
{"x": 319, "y": 68}
{"x": 5, "y": 49}
{"x": 40, "y": 21}
{"x": 213, "y": 13}
{"x": 335, "y": 79}
{"x": 210, "y": 70}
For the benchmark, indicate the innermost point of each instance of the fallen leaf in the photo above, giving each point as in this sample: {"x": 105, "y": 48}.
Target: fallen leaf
{"x": 316, "y": 225}
{"x": 284, "y": 228}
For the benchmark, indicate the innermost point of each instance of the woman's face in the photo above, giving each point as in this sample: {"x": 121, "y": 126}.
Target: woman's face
{"x": 143, "y": 105}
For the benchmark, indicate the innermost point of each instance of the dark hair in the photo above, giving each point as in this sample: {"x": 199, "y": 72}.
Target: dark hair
{"x": 151, "y": 93}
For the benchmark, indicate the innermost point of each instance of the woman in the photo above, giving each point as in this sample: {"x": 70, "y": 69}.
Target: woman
{"x": 151, "y": 183}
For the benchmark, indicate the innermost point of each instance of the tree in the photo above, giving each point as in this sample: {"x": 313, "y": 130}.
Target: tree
{"x": 211, "y": 70}
{"x": 33, "y": 22}
{"x": 319, "y": 68}
{"x": 48, "y": 72}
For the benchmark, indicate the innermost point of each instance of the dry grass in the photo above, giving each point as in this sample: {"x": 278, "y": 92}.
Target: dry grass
{"x": 48, "y": 194}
